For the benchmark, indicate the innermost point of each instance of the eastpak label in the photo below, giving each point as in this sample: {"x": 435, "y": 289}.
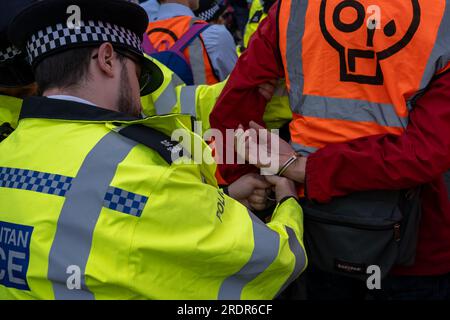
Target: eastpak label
{"x": 349, "y": 267}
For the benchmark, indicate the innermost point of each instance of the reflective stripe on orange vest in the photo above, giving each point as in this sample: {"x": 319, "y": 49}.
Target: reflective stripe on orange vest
{"x": 353, "y": 68}
{"x": 196, "y": 53}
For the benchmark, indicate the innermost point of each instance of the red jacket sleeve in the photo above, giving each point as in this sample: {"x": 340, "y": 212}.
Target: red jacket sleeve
{"x": 419, "y": 156}
{"x": 240, "y": 101}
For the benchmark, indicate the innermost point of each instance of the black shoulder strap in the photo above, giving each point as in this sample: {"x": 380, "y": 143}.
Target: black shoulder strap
{"x": 5, "y": 131}
{"x": 256, "y": 17}
{"x": 168, "y": 149}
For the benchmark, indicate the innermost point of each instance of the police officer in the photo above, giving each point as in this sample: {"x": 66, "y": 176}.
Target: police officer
{"x": 210, "y": 53}
{"x": 98, "y": 203}
{"x": 259, "y": 10}
{"x": 16, "y": 78}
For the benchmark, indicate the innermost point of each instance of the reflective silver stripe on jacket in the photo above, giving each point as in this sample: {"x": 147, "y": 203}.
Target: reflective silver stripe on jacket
{"x": 300, "y": 259}
{"x": 167, "y": 99}
{"x": 350, "y": 110}
{"x": 294, "y": 48}
{"x": 188, "y": 100}
{"x": 265, "y": 251}
{"x": 79, "y": 215}
{"x": 440, "y": 56}
{"x": 302, "y": 149}
{"x": 196, "y": 59}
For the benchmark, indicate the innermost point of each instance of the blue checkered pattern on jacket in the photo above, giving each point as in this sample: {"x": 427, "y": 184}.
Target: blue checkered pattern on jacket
{"x": 124, "y": 201}
{"x": 42, "y": 182}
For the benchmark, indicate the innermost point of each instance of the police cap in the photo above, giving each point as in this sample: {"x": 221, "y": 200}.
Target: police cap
{"x": 49, "y": 27}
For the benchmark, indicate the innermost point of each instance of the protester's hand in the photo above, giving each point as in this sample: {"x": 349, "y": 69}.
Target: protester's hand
{"x": 297, "y": 171}
{"x": 248, "y": 190}
{"x": 267, "y": 90}
{"x": 268, "y": 151}
{"x": 283, "y": 187}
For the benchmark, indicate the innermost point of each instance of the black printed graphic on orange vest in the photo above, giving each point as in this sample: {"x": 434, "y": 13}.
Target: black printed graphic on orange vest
{"x": 353, "y": 33}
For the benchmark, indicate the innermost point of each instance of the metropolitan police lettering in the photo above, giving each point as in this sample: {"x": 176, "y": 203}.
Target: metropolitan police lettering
{"x": 14, "y": 255}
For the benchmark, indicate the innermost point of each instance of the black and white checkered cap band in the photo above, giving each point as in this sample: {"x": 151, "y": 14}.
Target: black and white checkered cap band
{"x": 88, "y": 32}
{"x": 209, "y": 14}
{"x": 8, "y": 53}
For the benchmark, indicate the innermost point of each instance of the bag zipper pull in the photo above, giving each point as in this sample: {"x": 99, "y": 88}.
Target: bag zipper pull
{"x": 397, "y": 232}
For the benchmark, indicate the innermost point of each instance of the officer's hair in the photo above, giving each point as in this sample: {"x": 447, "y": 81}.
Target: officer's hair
{"x": 64, "y": 70}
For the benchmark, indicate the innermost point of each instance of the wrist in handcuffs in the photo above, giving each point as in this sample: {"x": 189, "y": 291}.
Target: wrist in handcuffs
{"x": 295, "y": 170}
{"x": 290, "y": 162}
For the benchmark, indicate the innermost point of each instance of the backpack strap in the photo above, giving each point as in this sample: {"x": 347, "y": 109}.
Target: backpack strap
{"x": 168, "y": 149}
{"x": 148, "y": 46}
{"x": 194, "y": 31}
{"x": 180, "y": 44}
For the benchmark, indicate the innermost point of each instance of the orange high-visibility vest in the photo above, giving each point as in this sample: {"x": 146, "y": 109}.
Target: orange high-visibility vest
{"x": 164, "y": 33}
{"x": 354, "y": 68}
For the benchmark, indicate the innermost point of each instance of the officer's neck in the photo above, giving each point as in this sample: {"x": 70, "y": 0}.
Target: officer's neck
{"x": 98, "y": 99}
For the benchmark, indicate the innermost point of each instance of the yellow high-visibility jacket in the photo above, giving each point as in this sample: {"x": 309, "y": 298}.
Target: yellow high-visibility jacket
{"x": 255, "y": 17}
{"x": 96, "y": 205}
{"x": 198, "y": 101}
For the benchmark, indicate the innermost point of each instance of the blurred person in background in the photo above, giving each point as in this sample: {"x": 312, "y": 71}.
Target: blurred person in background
{"x": 16, "y": 78}
{"x": 209, "y": 49}
{"x": 151, "y": 7}
{"x": 258, "y": 12}
{"x": 211, "y": 11}
{"x": 241, "y": 10}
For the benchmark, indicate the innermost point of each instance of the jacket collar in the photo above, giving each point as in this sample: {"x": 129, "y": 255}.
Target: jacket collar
{"x": 45, "y": 108}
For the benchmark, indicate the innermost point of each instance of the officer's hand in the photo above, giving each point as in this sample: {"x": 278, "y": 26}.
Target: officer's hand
{"x": 259, "y": 199}
{"x": 247, "y": 190}
{"x": 267, "y": 90}
{"x": 283, "y": 187}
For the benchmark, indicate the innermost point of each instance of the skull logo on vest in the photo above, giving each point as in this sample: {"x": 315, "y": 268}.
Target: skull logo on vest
{"x": 363, "y": 42}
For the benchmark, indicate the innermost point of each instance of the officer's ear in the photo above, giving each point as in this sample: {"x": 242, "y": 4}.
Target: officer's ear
{"x": 107, "y": 59}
